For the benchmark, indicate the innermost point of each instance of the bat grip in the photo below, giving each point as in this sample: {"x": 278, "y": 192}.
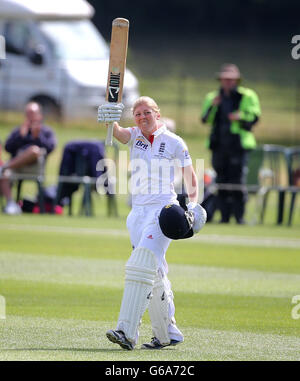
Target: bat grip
{"x": 109, "y": 134}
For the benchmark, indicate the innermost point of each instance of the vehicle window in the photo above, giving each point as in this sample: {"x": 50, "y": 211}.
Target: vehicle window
{"x": 77, "y": 39}
{"x": 17, "y": 37}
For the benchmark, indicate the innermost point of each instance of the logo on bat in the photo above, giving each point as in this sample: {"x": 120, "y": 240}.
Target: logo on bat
{"x": 114, "y": 87}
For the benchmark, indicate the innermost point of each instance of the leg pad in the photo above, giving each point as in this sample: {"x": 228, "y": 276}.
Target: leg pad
{"x": 140, "y": 273}
{"x": 159, "y": 309}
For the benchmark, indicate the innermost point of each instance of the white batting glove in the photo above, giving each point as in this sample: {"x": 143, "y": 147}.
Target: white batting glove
{"x": 110, "y": 112}
{"x": 200, "y": 215}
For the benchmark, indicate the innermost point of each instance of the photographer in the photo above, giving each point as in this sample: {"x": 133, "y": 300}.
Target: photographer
{"x": 231, "y": 111}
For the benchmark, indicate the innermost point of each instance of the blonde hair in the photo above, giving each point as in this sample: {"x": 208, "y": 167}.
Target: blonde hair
{"x": 146, "y": 100}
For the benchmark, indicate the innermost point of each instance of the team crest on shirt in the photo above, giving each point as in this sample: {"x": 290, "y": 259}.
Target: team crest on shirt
{"x": 140, "y": 143}
{"x": 162, "y": 152}
{"x": 162, "y": 147}
{"x": 186, "y": 154}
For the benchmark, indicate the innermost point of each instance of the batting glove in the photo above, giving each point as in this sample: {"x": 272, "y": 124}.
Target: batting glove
{"x": 110, "y": 112}
{"x": 200, "y": 215}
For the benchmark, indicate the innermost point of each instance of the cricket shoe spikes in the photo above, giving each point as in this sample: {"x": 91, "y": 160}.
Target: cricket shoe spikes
{"x": 118, "y": 337}
{"x": 155, "y": 344}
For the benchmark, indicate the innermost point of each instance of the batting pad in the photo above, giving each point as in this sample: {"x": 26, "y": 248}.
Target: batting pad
{"x": 159, "y": 309}
{"x": 140, "y": 273}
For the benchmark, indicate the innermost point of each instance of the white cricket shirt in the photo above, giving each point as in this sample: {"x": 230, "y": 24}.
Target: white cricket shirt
{"x": 153, "y": 165}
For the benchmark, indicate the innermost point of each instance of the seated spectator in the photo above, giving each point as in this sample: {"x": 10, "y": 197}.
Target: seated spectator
{"x": 30, "y": 140}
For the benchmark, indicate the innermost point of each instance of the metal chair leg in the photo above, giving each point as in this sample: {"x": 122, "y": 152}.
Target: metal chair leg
{"x": 264, "y": 205}
{"x": 86, "y": 207}
{"x": 281, "y": 198}
{"x": 19, "y": 186}
{"x": 112, "y": 209}
{"x": 292, "y": 206}
{"x": 41, "y": 197}
{"x": 70, "y": 206}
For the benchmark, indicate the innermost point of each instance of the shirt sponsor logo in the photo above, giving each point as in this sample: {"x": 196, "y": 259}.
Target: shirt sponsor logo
{"x": 141, "y": 144}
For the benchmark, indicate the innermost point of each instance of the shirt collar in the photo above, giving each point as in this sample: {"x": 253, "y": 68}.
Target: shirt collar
{"x": 157, "y": 132}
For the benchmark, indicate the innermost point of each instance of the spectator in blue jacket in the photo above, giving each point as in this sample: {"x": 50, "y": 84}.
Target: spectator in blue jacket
{"x": 28, "y": 142}
{"x": 25, "y": 141}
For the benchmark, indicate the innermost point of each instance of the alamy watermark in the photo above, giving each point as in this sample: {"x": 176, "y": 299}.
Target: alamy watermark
{"x": 2, "y": 48}
{"x": 296, "y": 309}
{"x": 295, "y": 52}
{"x": 2, "y": 307}
{"x": 157, "y": 177}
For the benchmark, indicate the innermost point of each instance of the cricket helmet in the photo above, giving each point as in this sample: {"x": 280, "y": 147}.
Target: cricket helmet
{"x": 175, "y": 222}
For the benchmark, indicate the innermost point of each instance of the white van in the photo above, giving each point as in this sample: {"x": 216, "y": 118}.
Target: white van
{"x": 56, "y": 56}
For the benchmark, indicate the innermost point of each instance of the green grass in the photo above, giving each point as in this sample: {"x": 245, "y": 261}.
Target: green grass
{"x": 62, "y": 278}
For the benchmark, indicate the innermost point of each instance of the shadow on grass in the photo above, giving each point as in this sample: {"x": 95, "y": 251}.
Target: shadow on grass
{"x": 67, "y": 349}
{"x": 92, "y": 350}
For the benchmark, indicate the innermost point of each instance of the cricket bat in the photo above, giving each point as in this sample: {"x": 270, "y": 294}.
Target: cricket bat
{"x": 116, "y": 69}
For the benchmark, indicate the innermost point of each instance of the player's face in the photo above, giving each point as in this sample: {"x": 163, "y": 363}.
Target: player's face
{"x": 228, "y": 84}
{"x": 146, "y": 118}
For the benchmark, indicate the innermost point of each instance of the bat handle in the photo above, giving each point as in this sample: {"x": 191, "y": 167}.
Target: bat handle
{"x": 109, "y": 134}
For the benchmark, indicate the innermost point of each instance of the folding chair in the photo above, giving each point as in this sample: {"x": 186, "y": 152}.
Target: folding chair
{"x": 79, "y": 161}
{"x": 265, "y": 174}
{"x": 274, "y": 160}
{"x": 34, "y": 172}
{"x": 293, "y": 164}
{"x": 255, "y": 164}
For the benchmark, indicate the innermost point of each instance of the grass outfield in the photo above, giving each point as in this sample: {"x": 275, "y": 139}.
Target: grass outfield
{"x": 62, "y": 279}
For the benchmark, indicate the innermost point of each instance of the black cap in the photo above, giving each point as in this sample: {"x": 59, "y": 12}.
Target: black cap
{"x": 175, "y": 222}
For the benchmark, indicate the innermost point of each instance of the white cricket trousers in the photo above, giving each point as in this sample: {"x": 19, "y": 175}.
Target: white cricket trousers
{"x": 142, "y": 223}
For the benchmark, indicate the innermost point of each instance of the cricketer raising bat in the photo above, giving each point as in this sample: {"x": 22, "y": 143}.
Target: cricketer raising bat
{"x": 117, "y": 64}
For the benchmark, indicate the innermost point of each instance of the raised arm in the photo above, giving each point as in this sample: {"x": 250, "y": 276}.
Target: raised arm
{"x": 121, "y": 134}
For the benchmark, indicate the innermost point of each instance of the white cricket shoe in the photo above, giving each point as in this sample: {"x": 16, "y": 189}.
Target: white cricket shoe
{"x": 12, "y": 208}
